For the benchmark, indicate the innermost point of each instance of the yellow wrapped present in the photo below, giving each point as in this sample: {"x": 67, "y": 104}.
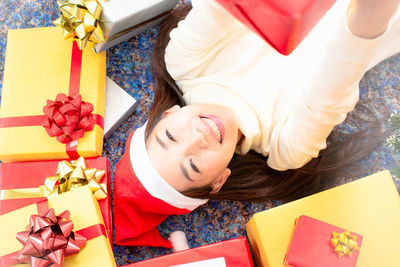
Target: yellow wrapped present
{"x": 53, "y": 98}
{"x": 76, "y": 238}
{"x": 370, "y": 206}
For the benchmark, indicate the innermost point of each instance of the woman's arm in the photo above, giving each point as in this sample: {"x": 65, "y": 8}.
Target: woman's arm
{"x": 370, "y": 18}
{"x": 194, "y": 38}
{"x": 330, "y": 88}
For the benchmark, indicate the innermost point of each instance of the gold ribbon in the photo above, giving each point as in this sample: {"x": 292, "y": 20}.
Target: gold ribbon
{"x": 344, "y": 243}
{"x": 69, "y": 176}
{"x": 80, "y": 21}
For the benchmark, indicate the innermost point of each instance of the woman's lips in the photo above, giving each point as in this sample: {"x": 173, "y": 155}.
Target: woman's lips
{"x": 215, "y": 126}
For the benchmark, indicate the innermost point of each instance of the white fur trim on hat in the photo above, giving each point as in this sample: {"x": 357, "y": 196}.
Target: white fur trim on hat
{"x": 152, "y": 180}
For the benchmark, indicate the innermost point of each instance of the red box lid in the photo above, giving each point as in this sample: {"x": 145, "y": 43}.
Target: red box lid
{"x": 311, "y": 245}
{"x": 235, "y": 251}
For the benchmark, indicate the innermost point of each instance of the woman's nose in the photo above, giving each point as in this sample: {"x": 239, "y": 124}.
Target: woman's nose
{"x": 198, "y": 139}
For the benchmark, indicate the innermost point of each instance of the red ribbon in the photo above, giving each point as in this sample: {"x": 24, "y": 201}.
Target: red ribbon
{"x": 68, "y": 134}
{"x": 50, "y": 238}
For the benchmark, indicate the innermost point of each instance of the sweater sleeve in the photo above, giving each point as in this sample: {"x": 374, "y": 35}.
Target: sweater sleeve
{"x": 190, "y": 44}
{"x": 329, "y": 92}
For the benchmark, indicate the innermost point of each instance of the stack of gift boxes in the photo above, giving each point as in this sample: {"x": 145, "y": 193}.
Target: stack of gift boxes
{"x": 55, "y": 202}
{"x": 55, "y": 187}
{"x": 53, "y": 108}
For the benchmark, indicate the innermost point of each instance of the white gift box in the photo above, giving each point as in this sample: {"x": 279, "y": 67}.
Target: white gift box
{"x": 123, "y": 19}
{"x": 119, "y": 106}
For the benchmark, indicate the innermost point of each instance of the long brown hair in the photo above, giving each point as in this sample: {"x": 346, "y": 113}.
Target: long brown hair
{"x": 251, "y": 178}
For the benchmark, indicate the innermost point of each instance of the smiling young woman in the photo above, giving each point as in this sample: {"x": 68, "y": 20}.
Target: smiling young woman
{"x": 233, "y": 119}
{"x": 250, "y": 177}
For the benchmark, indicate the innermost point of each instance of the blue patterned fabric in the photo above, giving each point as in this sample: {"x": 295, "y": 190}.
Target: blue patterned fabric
{"x": 128, "y": 64}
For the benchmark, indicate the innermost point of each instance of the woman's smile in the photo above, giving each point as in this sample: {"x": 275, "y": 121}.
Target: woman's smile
{"x": 215, "y": 126}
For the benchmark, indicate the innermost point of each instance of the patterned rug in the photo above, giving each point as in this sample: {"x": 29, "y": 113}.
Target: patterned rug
{"x": 128, "y": 64}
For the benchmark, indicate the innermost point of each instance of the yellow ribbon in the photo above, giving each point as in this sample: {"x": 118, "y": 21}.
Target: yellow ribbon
{"x": 344, "y": 243}
{"x": 69, "y": 176}
{"x": 80, "y": 21}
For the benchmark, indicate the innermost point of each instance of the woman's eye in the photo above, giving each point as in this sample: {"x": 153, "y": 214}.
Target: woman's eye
{"x": 193, "y": 166}
{"x": 170, "y": 137}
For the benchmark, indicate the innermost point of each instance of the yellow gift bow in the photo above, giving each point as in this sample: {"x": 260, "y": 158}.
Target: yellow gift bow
{"x": 79, "y": 20}
{"x": 74, "y": 175}
{"x": 344, "y": 243}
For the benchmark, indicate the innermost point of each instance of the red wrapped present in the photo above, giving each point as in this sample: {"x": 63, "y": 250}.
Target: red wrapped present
{"x": 232, "y": 253}
{"x": 24, "y": 183}
{"x": 282, "y": 23}
{"x": 319, "y": 244}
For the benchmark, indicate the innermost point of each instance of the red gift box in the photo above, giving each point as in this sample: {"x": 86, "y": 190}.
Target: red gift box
{"x": 235, "y": 252}
{"x": 311, "y": 245}
{"x": 282, "y": 23}
{"x": 19, "y": 175}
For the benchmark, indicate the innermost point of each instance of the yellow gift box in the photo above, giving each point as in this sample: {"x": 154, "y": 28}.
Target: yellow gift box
{"x": 84, "y": 212}
{"x": 369, "y": 206}
{"x": 37, "y": 69}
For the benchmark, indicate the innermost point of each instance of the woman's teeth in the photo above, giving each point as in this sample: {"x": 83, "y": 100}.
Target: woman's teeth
{"x": 214, "y": 127}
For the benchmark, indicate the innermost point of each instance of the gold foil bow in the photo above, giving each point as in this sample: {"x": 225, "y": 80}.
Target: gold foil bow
{"x": 48, "y": 239}
{"x": 344, "y": 243}
{"x": 74, "y": 175}
{"x": 79, "y": 20}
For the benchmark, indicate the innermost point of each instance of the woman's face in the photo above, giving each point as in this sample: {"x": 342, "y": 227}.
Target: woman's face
{"x": 192, "y": 146}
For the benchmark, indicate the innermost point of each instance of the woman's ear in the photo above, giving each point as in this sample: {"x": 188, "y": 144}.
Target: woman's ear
{"x": 220, "y": 181}
{"x": 171, "y": 110}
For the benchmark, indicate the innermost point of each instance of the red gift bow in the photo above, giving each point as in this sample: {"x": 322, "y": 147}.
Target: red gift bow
{"x": 49, "y": 239}
{"x": 68, "y": 117}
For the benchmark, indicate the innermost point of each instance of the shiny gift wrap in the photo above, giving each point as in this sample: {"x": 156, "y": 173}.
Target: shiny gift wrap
{"x": 370, "y": 206}
{"x": 123, "y": 19}
{"x": 24, "y": 183}
{"x": 39, "y": 65}
{"x": 85, "y": 215}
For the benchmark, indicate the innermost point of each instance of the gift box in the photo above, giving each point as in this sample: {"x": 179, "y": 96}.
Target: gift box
{"x": 123, "y": 19}
{"x": 119, "y": 106}
{"x": 282, "y": 23}
{"x": 20, "y": 185}
{"x": 311, "y": 245}
{"x": 41, "y": 67}
{"x": 85, "y": 216}
{"x": 369, "y": 206}
{"x": 232, "y": 253}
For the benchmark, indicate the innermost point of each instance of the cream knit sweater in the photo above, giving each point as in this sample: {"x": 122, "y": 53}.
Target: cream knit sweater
{"x": 286, "y": 106}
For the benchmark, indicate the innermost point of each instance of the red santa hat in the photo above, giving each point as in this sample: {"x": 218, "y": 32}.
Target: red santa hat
{"x": 142, "y": 198}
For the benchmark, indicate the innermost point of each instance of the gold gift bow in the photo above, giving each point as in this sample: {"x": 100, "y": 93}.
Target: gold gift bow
{"x": 69, "y": 176}
{"x": 344, "y": 243}
{"x": 80, "y": 21}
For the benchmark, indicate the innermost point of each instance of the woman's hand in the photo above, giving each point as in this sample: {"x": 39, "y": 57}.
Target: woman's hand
{"x": 370, "y": 18}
